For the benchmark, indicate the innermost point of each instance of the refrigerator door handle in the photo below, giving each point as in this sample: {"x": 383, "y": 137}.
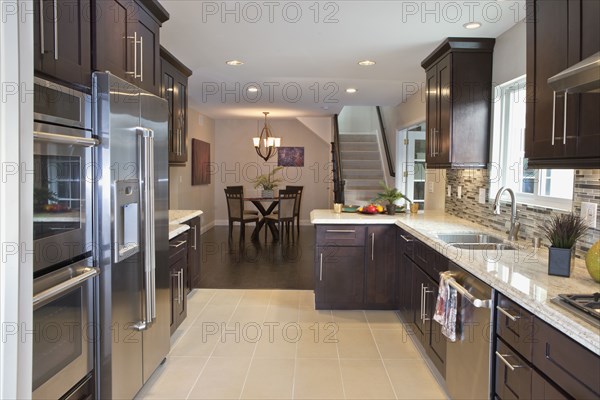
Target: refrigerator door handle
{"x": 147, "y": 169}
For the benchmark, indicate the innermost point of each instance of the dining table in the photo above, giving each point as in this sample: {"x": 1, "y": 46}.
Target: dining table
{"x": 258, "y": 203}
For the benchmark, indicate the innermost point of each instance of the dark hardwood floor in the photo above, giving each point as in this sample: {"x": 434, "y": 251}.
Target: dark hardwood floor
{"x": 256, "y": 264}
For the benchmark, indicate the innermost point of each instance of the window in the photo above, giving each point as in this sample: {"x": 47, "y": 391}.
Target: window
{"x": 541, "y": 187}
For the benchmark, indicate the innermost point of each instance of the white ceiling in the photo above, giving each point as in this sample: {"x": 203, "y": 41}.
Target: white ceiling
{"x": 303, "y": 67}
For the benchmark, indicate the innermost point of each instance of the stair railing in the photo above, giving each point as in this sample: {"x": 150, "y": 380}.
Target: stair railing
{"x": 338, "y": 182}
{"x": 386, "y": 146}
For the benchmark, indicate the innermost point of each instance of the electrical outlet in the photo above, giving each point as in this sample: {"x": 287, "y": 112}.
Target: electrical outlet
{"x": 459, "y": 192}
{"x": 589, "y": 211}
{"x": 430, "y": 187}
{"x": 449, "y": 191}
{"x": 482, "y": 196}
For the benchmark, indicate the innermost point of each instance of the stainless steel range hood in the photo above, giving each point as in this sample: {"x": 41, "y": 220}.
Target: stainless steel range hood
{"x": 582, "y": 77}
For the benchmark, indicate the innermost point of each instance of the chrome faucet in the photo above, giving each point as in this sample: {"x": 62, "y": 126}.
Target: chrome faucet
{"x": 513, "y": 233}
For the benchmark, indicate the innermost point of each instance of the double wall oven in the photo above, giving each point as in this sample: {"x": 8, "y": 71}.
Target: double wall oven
{"x": 64, "y": 271}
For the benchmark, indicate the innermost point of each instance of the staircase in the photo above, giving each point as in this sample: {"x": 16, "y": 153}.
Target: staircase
{"x": 362, "y": 168}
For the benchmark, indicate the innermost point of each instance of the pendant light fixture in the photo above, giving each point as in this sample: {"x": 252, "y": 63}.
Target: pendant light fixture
{"x": 266, "y": 144}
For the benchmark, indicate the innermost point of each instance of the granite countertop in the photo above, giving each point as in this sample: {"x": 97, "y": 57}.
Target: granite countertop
{"x": 521, "y": 275}
{"x": 177, "y": 219}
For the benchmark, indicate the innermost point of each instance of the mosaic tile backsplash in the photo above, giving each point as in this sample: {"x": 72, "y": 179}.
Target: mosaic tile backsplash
{"x": 587, "y": 188}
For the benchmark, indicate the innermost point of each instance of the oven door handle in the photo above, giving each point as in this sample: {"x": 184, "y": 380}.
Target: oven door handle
{"x": 65, "y": 286}
{"x": 65, "y": 139}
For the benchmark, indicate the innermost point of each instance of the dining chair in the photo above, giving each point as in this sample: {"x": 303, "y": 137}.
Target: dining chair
{"x": 241, "y": 189}
{"x": 235, "y": 210}
{"x": 299, "y": 190}
{"x": 285, "y": 212}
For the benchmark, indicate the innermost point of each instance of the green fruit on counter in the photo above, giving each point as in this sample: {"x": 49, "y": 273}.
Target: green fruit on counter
{"x": 592, "y": 261}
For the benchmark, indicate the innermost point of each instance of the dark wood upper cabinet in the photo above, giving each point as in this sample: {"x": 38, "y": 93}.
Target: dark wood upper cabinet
{"x": 174, "y": 88}
{"x": 126, "y": 40}
{"x": 62, "y": 44}
{"x": 561, "y": 33}
{"x": 458, "y": 105}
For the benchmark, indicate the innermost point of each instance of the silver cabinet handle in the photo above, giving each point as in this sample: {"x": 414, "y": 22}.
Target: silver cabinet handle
{"x": 341, "y": 231}
{"x": 56, "y": 29}
{"x": 321, "y": 268}
{"x": 176, "y": 275}
{"x": 422, "y": 300}
{"x": 195, "y": 235}
{"x": 565, "y": 120}
{"x": 505, "y": 361}
{"x": 426, "y": 291}
{"x": 181, "y": 285}
{"x": 553, "y": 118}
{"x": 179, "y": 244}
{"x": 430, "y": 142}
{"x": 405, "y": 239}
{"x": 135, "y": 56}
{"x": 513, "y": 318}
{"x": 372, "y": 246}
{"x": 436, "y": 143}
{"x": 141, "y": 75}
{"x": 42, "y": 47}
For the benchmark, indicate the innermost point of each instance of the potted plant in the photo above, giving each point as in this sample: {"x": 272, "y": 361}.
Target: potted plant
{"x": 267, "y": 182}
{"x": 563, "y": 231}
{"x": 390, "y": 195}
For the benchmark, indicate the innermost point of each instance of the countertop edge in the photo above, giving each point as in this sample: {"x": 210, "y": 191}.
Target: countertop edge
{"x": 181, "y": 216}
{"x": 177, "y": 229}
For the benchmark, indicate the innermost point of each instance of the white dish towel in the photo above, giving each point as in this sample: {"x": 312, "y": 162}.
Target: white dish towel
{"x": 445, "y": 307}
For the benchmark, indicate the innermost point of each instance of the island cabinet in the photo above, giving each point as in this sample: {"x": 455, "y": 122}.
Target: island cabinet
{"x": 418, "y": 285}
{"x": 193, "y": 259}
{"x": 126, "y": 40}
{"x": 355, "y": 267}
{"x": 458, "y": 87}
{"x": 560, "y": 33}
{"x": 174, "y": 88}
{"x": 61, "y": 41}
{"x": 534, "y": 360}
{"x": 178, "y": 259}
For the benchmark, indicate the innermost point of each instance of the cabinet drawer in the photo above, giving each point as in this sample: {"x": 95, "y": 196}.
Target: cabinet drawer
{"x": 406, "y": 242}
{"x": 513, "y": 374}
{"x": 341, "y": 235}
{"x": 431, "y": 261}
{"x": 178, "y": 247}
{"x": 571, "y": 366}
{"x": 514, "y": 325}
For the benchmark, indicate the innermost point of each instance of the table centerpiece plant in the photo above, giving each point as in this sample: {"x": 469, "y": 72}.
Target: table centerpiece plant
{"x": 267, "y": 182}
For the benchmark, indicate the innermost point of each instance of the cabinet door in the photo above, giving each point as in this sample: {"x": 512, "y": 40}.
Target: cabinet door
{"x": 431, "y": 82}
{"x": 193, "y": 280}
{"x": 436, "y": 341}
{"x": 513, "y": 374}
{"x": 547, "y": 55}
{"x": 340, "y": 277}
{"x": 178, "y": 295}
{"x": 405, "y": 288}
{"x": 381, "y": 266}
{"x": 443, "y": 134}
{"x": 419, "y": 285}
{"x": 62, "y": 44}
{"x": 180, "y": 121}
{"x": 113, "y": 48}
{"x": 544, "y": 389}
{"x": 147, "y": 30}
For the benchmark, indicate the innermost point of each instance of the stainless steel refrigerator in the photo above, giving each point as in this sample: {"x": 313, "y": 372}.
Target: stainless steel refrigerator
{"x": 131, "y": 215}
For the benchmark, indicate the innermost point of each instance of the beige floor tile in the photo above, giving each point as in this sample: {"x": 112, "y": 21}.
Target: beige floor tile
{"x": 275, "y": 344}
{"x": 227, "y": 297}
{"x": 318, "y": 379}
{"x": 270, "y": 379}
{"x": 350, "y": 319}
{"x": 413, "y": 380}
{"x": 383, "y": 320}
{"x": 195, "y": 342}
{"x": 288, "y": 298}
{"x": 201, "y": 296}
{"x": 282, "y": 313}
{"x": 306, "y": 315}
{"x": 212, "y": 314}
{"x": 256, "y": 298}
{"x": 318, "y": 340}
{"x": 395, "y": 344}
{"x": 366, "y": 379}
{"x": 174, "y": 379}
{"x": 236, "y": 342}
{"x": 248, "y": 314}
{"x": 222, "y": 378}
{"x": 306, "y": 299}
{"x": 356, "y": 343}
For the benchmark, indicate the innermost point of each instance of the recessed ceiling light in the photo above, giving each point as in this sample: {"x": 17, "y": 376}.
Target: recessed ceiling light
{"x": 472, "y": 25}
{"x": 366, "y": 63}
{"x": 253, "y": 89}
{"x": 235, "y": 63}
{"x": 351, "y": 90}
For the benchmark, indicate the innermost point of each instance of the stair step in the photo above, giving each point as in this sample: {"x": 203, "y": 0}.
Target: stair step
{"x": 364, "y": 164}
{"x": 360, "y": 155}
{"x": 353, "y": 137}
{"x": 359, "y": 146}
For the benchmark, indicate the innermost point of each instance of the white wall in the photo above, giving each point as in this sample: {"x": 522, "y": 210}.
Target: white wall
{"x": 510, "y": 54}
{"x": 236, "y": 162}
{"x": 182, "y": 195}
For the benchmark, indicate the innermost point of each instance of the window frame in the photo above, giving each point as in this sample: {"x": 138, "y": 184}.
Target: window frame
{"x": 499, "y": 153}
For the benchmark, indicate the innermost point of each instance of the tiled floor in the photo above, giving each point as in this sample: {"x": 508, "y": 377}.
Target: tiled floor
{"x": 272, "y": 344}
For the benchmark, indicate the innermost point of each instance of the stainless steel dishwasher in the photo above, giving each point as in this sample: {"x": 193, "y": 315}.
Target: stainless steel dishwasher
{"x": 468, "y": 365}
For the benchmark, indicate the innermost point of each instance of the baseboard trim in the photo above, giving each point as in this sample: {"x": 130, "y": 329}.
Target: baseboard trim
{"x": 207, "y": 227}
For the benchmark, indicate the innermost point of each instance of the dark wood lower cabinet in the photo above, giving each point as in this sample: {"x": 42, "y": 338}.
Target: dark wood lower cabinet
{"x": 178, "y": 271}
{"x": 339, "y": 277}
{"x": 381, "y": 266}
{"x": 513, "y": 375}
{"x": 193, "y": 275}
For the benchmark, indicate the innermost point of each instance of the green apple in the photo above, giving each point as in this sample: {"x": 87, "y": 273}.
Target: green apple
{"x": 592, "y": 261}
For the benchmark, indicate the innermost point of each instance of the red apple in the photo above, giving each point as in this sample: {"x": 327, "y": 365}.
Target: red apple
{"x": 371, "y": 209}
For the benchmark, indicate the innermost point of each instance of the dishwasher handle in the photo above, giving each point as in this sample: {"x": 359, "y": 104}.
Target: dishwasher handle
{"x": 479, "y": 303}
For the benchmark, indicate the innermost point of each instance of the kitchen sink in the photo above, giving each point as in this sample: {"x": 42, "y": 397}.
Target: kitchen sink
{"x": 475, "y": 241}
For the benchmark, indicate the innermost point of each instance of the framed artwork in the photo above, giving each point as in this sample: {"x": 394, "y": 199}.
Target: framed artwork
{"x": 200, "y": 162}
{"x": 290, "y": 157}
